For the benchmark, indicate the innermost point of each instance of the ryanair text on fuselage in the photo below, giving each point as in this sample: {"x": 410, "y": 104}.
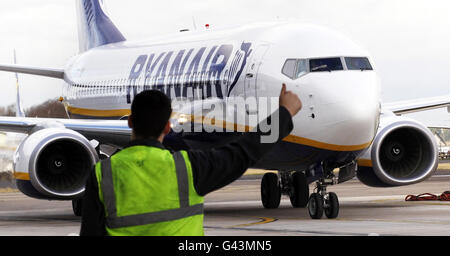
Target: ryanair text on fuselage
{"x": 179, "y": 73}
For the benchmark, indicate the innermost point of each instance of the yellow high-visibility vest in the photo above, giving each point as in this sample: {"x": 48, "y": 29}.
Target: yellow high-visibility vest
{"x": 149, "y": 191}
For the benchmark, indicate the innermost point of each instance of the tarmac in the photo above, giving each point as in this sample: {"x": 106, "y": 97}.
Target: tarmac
{"x": 236, "y": 210}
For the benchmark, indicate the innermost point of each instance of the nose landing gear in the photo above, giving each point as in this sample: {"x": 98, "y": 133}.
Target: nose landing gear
{"x": 321, "y": 201}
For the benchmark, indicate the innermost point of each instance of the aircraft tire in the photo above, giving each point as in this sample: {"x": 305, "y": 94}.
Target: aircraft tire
{"x": 332, "y": 208}
{"x": 315, "y": 206}
{"x": 300, "y": 190}
{"x": 270, "y": 191}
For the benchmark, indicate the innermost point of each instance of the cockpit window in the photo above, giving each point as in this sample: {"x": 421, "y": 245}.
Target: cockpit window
{"x": 296, "y": 68}
{"x": 289, "y": 68}
{"x": 302, "y": 68}
{"x": 328, "y": 64}
{"x": 358, "y": 63}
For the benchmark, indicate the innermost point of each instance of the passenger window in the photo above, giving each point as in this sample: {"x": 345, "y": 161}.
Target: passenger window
{"x": 289, "y": 68}
{"x": 327, "y": 64}
{"x": 302, "y": 68}
{"x": 358, "y": 63}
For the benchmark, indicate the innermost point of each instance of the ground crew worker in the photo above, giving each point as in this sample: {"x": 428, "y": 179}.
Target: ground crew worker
{"x": 146, "y": 190}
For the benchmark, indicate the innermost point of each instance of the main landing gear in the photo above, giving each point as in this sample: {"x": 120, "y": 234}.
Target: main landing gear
{"x": 295, "y": 185}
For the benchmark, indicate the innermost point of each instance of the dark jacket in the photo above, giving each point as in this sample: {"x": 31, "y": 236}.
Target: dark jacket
{"x": 212, "y": 169}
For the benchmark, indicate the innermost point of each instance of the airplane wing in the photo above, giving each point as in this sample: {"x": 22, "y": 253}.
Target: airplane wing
{"x": 104, "y": 131}
{"x": 439, "y": 126}
{"x": 417, "y": 105}
{"x": 47, "y": 72}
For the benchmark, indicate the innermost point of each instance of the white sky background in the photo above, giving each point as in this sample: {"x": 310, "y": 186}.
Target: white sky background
{"x": 409, "y": 39}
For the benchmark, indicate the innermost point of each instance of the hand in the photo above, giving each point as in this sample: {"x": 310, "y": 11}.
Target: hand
{"x": 290, "y": 101}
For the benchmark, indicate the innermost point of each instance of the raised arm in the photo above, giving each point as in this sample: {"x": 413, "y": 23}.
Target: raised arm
{"x": 218, "y": 167}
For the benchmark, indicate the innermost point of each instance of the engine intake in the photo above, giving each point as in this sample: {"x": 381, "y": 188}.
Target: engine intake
{"x": 404, "y": 152}
{"x": 58, "y": 162}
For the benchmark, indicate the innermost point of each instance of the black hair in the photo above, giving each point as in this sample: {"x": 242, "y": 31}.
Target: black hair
{"x": 150, "y": 112}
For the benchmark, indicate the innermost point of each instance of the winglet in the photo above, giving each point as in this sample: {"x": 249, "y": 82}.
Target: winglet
{"x": 19, "y": 110}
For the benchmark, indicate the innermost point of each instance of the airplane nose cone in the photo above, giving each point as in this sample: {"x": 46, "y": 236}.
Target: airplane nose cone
{"x": 345, "y": 106}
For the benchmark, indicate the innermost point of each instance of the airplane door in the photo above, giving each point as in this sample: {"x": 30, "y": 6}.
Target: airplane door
{"x": 251, "y": 74}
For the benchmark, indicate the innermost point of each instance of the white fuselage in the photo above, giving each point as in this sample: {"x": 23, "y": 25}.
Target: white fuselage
{"x": 341, "y": 108}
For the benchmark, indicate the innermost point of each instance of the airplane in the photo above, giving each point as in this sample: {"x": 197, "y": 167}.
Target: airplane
{"x": 343, "y": 123}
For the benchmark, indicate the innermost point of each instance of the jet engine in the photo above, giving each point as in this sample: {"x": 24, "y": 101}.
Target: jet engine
{"x": 403, "y": 152}
{"x": 58, "y": 162}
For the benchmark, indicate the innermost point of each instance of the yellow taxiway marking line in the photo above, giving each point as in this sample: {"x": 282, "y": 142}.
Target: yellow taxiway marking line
{"x": 263, "y": 220}
{"x": 444, "y": 166}
{"x": 8, "y": 190}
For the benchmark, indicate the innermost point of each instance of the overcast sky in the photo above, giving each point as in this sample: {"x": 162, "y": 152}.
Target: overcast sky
{"x": 409, "y": 40}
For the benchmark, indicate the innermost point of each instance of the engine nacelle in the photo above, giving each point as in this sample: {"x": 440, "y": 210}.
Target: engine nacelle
{"x": 403, "y": 152}
{"x": 57, "y": 161}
